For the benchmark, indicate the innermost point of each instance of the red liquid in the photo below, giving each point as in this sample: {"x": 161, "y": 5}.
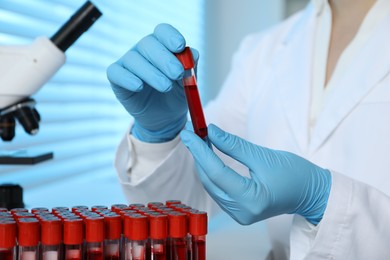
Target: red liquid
{"x": 148, "y": 251}
{"x": 111, "y": 257}
{"x": 198, "y": 250}
{"x": 73, "y": 254}
{"x": 94, "y": 255}
{"x": 168, "y": 249}
{"x": 179, "y": 250}
{"x": 159, "y": 253}
{"x": 196, "y": 111}
{"x": 6, "y": 255}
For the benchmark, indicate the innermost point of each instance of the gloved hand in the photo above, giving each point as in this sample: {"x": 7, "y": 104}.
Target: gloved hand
{"x": 280, "y": 183}
{"x": 147, "y": 81}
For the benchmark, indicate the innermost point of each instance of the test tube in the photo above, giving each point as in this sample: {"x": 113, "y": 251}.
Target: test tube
{"x": 98, "y": 208}
{"x": 198, "y": 232}
{"x": 7, "y": 239}
{"x": 94, "y": 236}
{"x": 118, "y": 207}
{"x": 51, "y": 238}
{"x": 28, "y": 238}
{"x": 73, "y": 239}
{"x": 153, "y": 205}
{"x": 158, "y": 236}
{"x": 192, "y": 94}
{"x": 113, "y": 231}
{"x": 39, "y": 209}
{"x": 78, "y": 208}
{"x": 136, "y": 233}
{"x": 178, "y": 234}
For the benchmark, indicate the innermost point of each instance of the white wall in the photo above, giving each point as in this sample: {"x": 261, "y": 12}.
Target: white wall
{"x": 227, "y": 22}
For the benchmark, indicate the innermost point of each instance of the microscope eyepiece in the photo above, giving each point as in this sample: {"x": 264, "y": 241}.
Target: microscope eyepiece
{"x": 80, "y": 22}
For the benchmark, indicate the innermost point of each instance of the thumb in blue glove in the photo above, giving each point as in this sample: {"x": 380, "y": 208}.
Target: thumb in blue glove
{"x": 280, "y": 182}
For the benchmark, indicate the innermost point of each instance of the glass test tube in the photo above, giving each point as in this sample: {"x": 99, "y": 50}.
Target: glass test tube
{"x": 51, "y": 238}
{"x": 113, "y": 231}
{"x": 198, "y": 232}
{"x": 136, "y": 233}
{"x": 178, "y": 235}
{"x": 28, "y": 238}
{"x": 94, "y": 237}
{"x": 7, "y": 239}
{"x": 192, "y": 94}
{"x": 73, "y": 239}
{"x": 158, "y": 225}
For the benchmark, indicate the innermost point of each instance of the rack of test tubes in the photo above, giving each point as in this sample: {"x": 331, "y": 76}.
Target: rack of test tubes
{"x": 156, "y": 231}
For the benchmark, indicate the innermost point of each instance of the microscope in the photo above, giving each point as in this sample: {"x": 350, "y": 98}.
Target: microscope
{"x": 25, "y": 69}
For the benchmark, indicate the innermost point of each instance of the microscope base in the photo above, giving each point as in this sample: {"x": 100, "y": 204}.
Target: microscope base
{"x": 24, "y": 157}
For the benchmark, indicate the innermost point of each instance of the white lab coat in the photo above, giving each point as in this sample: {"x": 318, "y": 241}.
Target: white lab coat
{"x": 266, "y": 100}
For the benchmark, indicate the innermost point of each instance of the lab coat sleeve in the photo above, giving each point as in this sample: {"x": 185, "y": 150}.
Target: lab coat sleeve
{"x": 355, "y": 225}
{"x": 159, "y": 172}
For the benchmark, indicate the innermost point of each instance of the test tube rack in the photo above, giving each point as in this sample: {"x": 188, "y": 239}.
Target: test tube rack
{"x": 155, "y": 231}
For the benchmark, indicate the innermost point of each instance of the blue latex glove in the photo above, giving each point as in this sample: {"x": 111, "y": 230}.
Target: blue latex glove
{"x": 147, "y": 81}
{"x": 280, "y": 183}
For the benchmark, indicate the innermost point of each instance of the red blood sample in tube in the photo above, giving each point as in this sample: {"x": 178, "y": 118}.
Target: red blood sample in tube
{"x": 113, "y": 231}
{"x": 15, "y": 210}
{"x": 136, "y": 233}
{"x": 51, "y": 237}
{"x": 98, "y": 208}
{"x": 73, "y": 238}
{"x": 177, "y": 233}
{"x": 171, "y": 202}
{"x": 192, "y": 94}
{"x": 28, "y": 238}
{"x": 79, "y": 208}
{"x": 22, "y": 214}
{"x": 136, "y": 205}
{"x": 158, "y": 225}
{"x": 94, "y": 237}
{"x": 153, "y": 205}
{"x": 198, "y": 231}
{"x": 118, "y": 207}
{"x": 37, "y": 210}
{"x": 7, "y": 239}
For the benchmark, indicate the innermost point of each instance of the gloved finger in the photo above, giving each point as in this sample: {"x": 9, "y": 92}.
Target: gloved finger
{"x": 233, "y": 146}
{"x": 170, "y": 37}
{"x": 161, "y": 57}
{"x": 143, "y": 69}
{"x": 189, "y": 126}
{"x": 195, "y": 55}
{"x": 230, "y": 182}
{"x": 121, "y": 77}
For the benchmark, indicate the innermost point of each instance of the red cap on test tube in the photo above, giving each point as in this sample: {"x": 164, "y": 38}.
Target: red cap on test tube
{"x": 113, "y": 226}
{"x": 94, "y": 229}
{"x": 7, "y": 234}
{"x": 73, "y": 231}
{"x": 28, "y": 232}
{"x": 198, "y": 223}
{"x": 51, "y": 231}
{"x": 177, "y": 225}
{"x": 171, "y": 202}
{"x": 158, "y": 225}
{"x": 136, "y": 227}
{"x": 185, "y": 58}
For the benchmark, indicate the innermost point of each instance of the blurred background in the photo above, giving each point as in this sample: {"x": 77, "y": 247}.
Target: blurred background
{"x": 82, "y": 123}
